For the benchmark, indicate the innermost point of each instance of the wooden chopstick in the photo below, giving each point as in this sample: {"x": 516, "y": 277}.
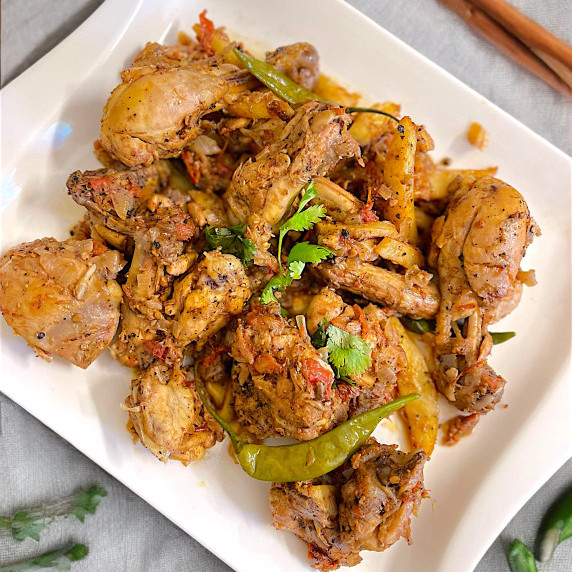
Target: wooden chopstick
{"x": 522, "y": 39}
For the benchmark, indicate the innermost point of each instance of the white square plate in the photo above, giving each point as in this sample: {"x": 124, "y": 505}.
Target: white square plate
{"x": 50, "y": 118}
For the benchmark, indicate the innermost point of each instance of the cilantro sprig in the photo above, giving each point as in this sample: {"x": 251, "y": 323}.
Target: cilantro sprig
{"x": 28, "y": 523}
{"x": 348, "y": 354}
{"x": 301, "y": 253}
{"x": 231, "y": 241}
{"x": 60, "y": 560}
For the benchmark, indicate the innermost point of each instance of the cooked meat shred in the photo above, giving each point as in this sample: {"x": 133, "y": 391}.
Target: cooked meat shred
{"x": 282, "y": 386}
{"x": 380, "y": 496}
{"x": 298, "y": 61}
{"x": 340, "y": 514}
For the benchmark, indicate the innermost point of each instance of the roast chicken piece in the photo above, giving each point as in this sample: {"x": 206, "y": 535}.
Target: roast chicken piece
{"x": 129, "y": 201}
{"x": 145, "y": 332}
{"x": 156, "y": 113}
{"x": 378, "y": 384}
{"x": 117, "y": 199}
{"x": 281, "y": 384}
{"x": 381, "y": 495}
{"x": 168, "y": 416}
{"x": 478, "y": 245}
{"x": 340, "y": 514}
{"x": 62, "y": 297}
{"x": 206, "y": 298}
{"x": 310, "y": 144}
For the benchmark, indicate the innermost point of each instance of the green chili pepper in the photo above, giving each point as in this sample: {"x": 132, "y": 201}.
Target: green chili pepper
{"x": 308, "y": 459}
{"x": 275, "y": 80}
{"x": 500, "y": 337}
{"x": 286, "y": 88}
{"x": 520, "y": 558}
{"x": 556, "y": 527}
{"x": 420, "y": 326}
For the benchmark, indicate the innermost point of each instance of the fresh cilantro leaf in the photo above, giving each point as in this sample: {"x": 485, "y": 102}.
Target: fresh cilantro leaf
{"x": 304, "y": 220}
{"x": 231, "y": 241}
{"x": 299, "y": 255}
{"x": 60, "y": 559}
{"x": 348, "y": 353}
{"x": 308, "y": 253}
{"x": 27, "y": 524}
{"x": 310, "y": 193}
{"x": 276, "y": 283}
{"x": 295, "y": 269}
{"x": 318, "y": 338}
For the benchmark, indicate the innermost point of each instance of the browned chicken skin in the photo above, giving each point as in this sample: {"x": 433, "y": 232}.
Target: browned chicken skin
{"x": 339, "y": 515}
{"x": 205, "y": 299}
{"x": 61, "y": 297}
{"x": 411, "y": 293}
{"x": 157, "y": 113}
{"x": 117, "y": 199}
{"x": 478, "y": 247}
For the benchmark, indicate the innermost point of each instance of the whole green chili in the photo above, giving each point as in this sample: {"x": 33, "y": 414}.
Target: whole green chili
{"x": 556, "y": 527}
{"x": 308, "y": 459}
{"x": 275, "y": 80}
{"x": 520, "y": 558}
{"x": 286, "y": 88}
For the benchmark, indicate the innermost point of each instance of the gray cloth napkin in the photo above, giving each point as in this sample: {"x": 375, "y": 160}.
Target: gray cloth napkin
{"x": 126, "y": 534}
